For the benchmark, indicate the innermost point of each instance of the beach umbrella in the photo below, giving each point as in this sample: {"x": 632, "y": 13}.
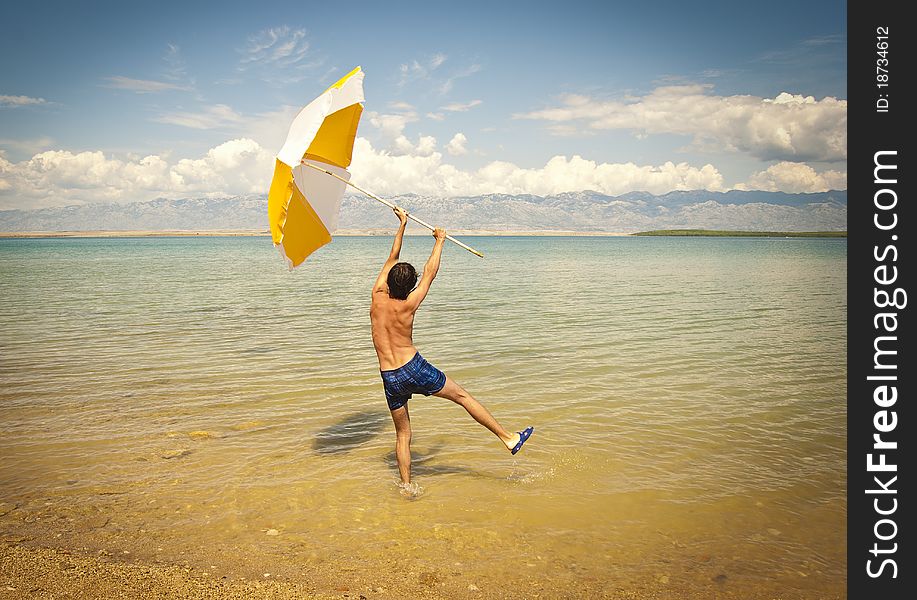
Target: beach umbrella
{"x": 310, "y": 172}
{"x": 303, "y": 203}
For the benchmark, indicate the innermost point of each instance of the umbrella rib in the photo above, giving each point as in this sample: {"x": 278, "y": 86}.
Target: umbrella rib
{"x": 391, "y": 205}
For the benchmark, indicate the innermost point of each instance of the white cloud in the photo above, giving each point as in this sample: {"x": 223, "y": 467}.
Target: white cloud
{"x": 795, "y": 178}
{"x": 391, "y": 125}
{"x": 456, "y": 145}
{"x": 212, "y": 117}
{"x": 17, "y": 101}
{"x": 417, "y": 70}
{"x": 788, "y": 127}
{"x": 60, "y": 177}
{"x": 280, "y": 56}
{"x": 425, "y": 146}
{"x": 460, "y": 107}
{"x": 143, "y": 86}
{"x": 176, "y": 70}
{"x": 176, "y": 65}
{"x": 400, "y": 105}
{"x": 391, "y": 174}
{"x": 436, "y": 116}
{"x": 280, "y": 46}
{"x": 437, "y": 60}
{"x": 243, "y": 166}
{"x": 429, "y": 71}
{"x": 403, "y": 145}
{"x": 175, "y": 74}
{"x": 238, "y": 166}
{"x": 446, "y": 86}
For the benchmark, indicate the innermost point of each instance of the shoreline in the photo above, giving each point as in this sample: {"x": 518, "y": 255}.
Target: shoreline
{"x": 739, "y": 233}
{"x": 144, "y": 233}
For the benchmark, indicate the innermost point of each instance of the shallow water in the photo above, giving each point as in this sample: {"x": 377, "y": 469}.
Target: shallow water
{"x": 190, "y": 400}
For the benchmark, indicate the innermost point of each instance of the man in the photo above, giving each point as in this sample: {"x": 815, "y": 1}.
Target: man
{"x": 404, "y": 371}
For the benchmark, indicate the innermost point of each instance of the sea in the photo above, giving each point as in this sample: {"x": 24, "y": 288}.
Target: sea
{"x": 192, "y": 401}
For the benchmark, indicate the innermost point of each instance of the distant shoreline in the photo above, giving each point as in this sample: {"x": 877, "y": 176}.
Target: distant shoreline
{"x": 418, "y": 232}
{"x": 727, "y": 233}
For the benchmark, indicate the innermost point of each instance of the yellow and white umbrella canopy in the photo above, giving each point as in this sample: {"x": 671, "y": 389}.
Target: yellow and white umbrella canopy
{"x": 303, "y": 203}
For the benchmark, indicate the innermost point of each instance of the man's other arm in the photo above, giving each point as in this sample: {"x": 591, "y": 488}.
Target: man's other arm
{"x": 429, "y": 270}
{"x": 394, "y": 254}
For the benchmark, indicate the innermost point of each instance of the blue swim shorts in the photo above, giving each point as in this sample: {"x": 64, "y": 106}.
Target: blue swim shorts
{"x": 416, "y": 377}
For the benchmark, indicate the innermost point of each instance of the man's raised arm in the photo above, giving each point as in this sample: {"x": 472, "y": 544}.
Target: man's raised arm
{"x": 395, "y": 253}
{"x": 430, "y": 269}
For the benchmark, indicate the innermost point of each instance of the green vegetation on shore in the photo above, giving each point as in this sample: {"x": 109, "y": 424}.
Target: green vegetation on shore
{"x": 720, "y": 233}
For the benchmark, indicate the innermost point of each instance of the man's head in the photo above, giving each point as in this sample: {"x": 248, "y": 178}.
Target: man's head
{"x": 401, "y": 280}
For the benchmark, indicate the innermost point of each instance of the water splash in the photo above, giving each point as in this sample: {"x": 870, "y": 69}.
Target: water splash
{"x": 411, "y": 491}
{"x": 566, "y": 463}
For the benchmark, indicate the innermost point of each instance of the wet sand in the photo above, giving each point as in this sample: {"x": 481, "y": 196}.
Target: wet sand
{"x": 58, "y": 549}
{"x": 35, "y": 572}
{"x": 47, "y": 573}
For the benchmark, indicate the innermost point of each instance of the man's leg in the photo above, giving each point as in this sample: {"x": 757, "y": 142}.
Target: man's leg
{"x": 403, "y": 442}
{"x": 456, "y": 393}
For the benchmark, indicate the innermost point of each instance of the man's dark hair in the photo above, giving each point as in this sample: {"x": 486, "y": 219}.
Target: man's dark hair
{"x": 401, "y": 280}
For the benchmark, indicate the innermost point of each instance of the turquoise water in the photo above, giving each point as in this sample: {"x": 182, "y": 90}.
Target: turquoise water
{"x": 688, "y": 396}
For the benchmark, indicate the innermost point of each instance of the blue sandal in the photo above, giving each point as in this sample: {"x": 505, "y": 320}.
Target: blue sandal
{"x": 523, "y": 435}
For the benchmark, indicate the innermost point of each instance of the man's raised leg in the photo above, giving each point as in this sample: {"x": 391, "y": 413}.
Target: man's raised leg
{"x": 453, "y": 391}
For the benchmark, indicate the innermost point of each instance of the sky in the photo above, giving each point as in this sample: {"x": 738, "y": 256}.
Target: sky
{"x": 123, "y": 102}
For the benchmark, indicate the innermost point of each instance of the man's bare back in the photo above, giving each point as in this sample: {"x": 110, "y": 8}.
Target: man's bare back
{"x": 393, "y": 326}
{"x": 393, "y": 317}
{"x": 404, "y": 371}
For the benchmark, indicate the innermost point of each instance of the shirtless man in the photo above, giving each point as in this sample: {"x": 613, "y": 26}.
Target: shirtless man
{"x": 404, "y": 371}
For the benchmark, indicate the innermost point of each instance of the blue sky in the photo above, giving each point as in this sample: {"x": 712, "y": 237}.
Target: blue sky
{"x": 460, "y": 96}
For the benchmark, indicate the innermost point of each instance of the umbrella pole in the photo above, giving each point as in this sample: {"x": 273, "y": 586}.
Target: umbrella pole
{"x": 392, "y": 206}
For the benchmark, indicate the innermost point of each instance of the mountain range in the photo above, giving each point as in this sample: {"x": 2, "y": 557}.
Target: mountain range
{"x": 571, "y": 211}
